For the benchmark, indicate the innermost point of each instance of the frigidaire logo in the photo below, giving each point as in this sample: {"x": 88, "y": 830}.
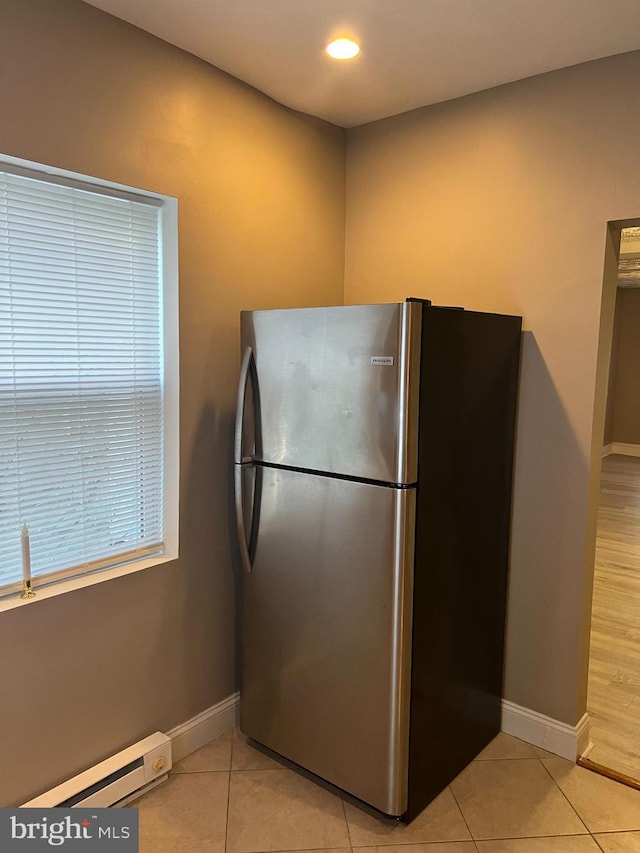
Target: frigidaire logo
{"x": 71, "y": 829}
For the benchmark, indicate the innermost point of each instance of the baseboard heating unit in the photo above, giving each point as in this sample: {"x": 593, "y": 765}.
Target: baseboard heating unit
{"x": 115, "y": 781}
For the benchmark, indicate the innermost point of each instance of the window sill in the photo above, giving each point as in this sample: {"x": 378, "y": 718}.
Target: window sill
{"x": 45, "y": 591}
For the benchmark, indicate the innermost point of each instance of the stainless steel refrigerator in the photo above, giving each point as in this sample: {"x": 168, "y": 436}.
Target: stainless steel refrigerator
{"x": 373, "y": 469}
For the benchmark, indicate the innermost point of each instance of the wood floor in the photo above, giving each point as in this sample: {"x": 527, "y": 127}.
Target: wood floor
{"x": 614, "y": 667}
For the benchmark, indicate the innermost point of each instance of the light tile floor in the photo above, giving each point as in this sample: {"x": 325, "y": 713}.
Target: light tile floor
{"x": 514, "y": 798}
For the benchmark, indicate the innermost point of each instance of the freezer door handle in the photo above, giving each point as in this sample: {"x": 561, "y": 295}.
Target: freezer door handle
{"x": 240, "y": 460}
{"x": 242, "y": 393}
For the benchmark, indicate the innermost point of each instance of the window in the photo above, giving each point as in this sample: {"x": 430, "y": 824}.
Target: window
{"x": 88, "y": 376}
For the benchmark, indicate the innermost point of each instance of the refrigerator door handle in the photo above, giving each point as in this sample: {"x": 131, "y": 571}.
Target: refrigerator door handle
{"x": 242, "y": 393}
{"x": 242, "y": 533}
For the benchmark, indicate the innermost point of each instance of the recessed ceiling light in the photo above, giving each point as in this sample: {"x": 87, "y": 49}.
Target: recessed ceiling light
{"x": 343, "y": 49}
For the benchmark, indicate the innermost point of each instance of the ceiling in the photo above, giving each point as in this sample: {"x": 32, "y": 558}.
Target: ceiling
{"x": 414, "y": 52}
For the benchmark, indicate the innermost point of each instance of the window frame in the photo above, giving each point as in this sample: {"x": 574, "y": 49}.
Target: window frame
{"x": 73, "y": 578}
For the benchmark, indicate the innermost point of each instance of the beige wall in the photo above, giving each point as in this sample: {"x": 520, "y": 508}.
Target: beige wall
{"x": 261, "y": 215}
{"x": 623, "y": 403}
{"x": 499, "y": 201}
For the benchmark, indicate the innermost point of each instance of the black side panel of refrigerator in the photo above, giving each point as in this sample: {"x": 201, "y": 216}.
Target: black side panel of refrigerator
{"x": 468, "y": 391}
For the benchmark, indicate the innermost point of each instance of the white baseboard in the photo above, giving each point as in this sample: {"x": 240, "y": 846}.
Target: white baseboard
{"x": 582, "y": 736}
{"x": 545, "y": 732}
{"x": 607, "y": 450}
{"x": 588, "y": 750}
{"x": 202, "y": 728}
{"x": 625, "y": 449}
{"x": 523, "y": 723}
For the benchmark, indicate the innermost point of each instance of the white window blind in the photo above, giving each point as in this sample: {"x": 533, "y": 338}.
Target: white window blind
{"x": 81, "y": 385}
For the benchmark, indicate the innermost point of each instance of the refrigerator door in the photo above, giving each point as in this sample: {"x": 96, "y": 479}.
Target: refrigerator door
{"x": 327, "y": 626}
{"x": 338, "y": 388}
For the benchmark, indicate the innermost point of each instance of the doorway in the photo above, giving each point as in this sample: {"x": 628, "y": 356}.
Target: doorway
{"x": 613, "y": 701}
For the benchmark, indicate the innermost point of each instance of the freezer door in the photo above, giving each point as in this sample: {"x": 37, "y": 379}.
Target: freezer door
{"x": 338, "y": 388}
{"x": 326, "y": 628}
